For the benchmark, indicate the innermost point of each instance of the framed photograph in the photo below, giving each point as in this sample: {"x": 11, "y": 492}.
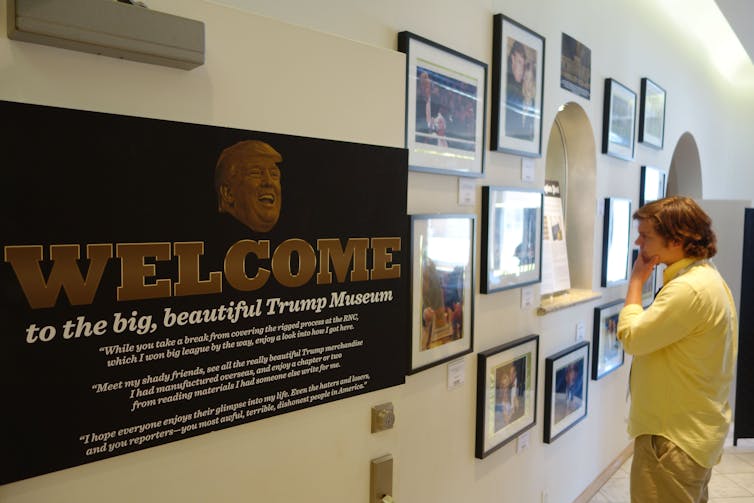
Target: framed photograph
{"x": 446, "y": 99}
{"x": 442, "y": 288}
{"x": 608, "y": 351}
{"x": 518, "y": 56}
{"x": 566, "y": 390}
{"x": 575, "y": 66}
{"x": 648, "y": 288}
{"x": 506, "y": 400}
{"x": 652, "y": 114}
{"x": 619, "y": 115}
{"x": 511, "y": 238}
{"x": 616, "y": 241}
{"x": 652, "y": 188}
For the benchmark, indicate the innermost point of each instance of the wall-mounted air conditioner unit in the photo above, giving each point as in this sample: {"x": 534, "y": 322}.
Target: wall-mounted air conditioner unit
{"x": 109, "y": 28}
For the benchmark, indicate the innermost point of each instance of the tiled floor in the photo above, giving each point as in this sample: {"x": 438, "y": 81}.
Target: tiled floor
{"x": 732, "y": 480}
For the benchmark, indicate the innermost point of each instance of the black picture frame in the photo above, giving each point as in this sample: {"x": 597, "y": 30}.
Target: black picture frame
{"x": 511, "y": 238}
{"x": 608, "y": 351}
{"x": 616, "y": 241}
{"x": 575, "y": 66}
{"x": 442, "y": 289}
{"x": 653, "y": 185}
{"x": 652, "y": 114}
{"x": 618, "y": 120}
{"x": 566, "y": 390}
{"x": 450, "y": 138}
{"x": 506, "y": 403}
{"x": 518, "y": 56}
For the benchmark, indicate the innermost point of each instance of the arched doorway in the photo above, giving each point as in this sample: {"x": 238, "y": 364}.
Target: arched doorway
{"x": 685, "y": 174}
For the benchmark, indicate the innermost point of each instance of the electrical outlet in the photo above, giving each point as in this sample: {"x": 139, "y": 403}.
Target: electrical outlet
{"x": 522, "y": 442}
{"x": 383, "y": 417}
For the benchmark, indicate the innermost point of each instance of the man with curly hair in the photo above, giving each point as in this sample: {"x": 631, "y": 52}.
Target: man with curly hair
{"x": 684, "y": 346}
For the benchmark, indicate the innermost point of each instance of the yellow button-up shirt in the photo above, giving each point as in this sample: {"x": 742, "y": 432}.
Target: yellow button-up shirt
{"x": 684, "y": 346}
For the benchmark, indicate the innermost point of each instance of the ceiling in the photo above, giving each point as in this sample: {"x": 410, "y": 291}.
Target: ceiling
{"x": 740, "y": 16}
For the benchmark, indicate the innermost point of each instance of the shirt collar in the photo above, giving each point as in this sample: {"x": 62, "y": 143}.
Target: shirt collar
{"x": 675, "y": 268}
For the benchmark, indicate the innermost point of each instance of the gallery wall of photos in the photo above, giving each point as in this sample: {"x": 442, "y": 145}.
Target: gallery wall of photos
{"x": 445, "y": 136}
{"x": 446, "y": 99}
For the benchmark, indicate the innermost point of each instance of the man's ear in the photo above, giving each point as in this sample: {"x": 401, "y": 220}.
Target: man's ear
{"x": 675, "y": 243}
{"x": 226, "y": 196}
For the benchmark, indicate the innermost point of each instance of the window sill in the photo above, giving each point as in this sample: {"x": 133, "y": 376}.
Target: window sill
{"x": 566, "y": 299}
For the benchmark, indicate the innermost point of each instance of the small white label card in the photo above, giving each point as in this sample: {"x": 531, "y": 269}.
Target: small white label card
{"x": 456, "y": 373}
{"x": 527, "y": 298}
{"x": 527, "y": 170}
{"x": 466, "y": 191}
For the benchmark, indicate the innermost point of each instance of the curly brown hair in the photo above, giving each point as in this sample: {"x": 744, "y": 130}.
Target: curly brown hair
{"x": 680, "y": 219}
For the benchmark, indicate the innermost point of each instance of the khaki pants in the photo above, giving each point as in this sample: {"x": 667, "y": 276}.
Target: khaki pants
{"x": 662, "y": 473}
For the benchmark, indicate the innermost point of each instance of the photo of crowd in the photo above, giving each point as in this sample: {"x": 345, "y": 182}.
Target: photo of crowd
{"x": 442, "y": 304}
{"x": 445, "y": 110}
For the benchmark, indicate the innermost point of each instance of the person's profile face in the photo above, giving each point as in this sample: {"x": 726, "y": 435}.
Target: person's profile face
{"x": 517, "y": 65}
{"x": 651, "y": 243}
{"x": 257, "y": 193}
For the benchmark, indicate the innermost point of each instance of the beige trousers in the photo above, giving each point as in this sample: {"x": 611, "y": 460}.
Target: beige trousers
{"x": 662, "y": 473}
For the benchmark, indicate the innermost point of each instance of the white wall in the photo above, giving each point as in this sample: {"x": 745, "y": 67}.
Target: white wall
{"x": 265, "y": 75}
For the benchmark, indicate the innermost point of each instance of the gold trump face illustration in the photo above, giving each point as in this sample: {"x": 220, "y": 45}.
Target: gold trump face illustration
{"x": 247, "y": 181}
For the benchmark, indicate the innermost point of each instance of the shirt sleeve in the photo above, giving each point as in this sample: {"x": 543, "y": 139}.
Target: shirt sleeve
{"x": 671, "y": 317}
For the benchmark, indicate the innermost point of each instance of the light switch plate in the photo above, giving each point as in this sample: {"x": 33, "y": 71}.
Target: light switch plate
{"x": 381, "y": 479}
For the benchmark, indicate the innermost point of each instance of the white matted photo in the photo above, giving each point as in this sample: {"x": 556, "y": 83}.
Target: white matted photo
{"x": 446, "y": 95}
